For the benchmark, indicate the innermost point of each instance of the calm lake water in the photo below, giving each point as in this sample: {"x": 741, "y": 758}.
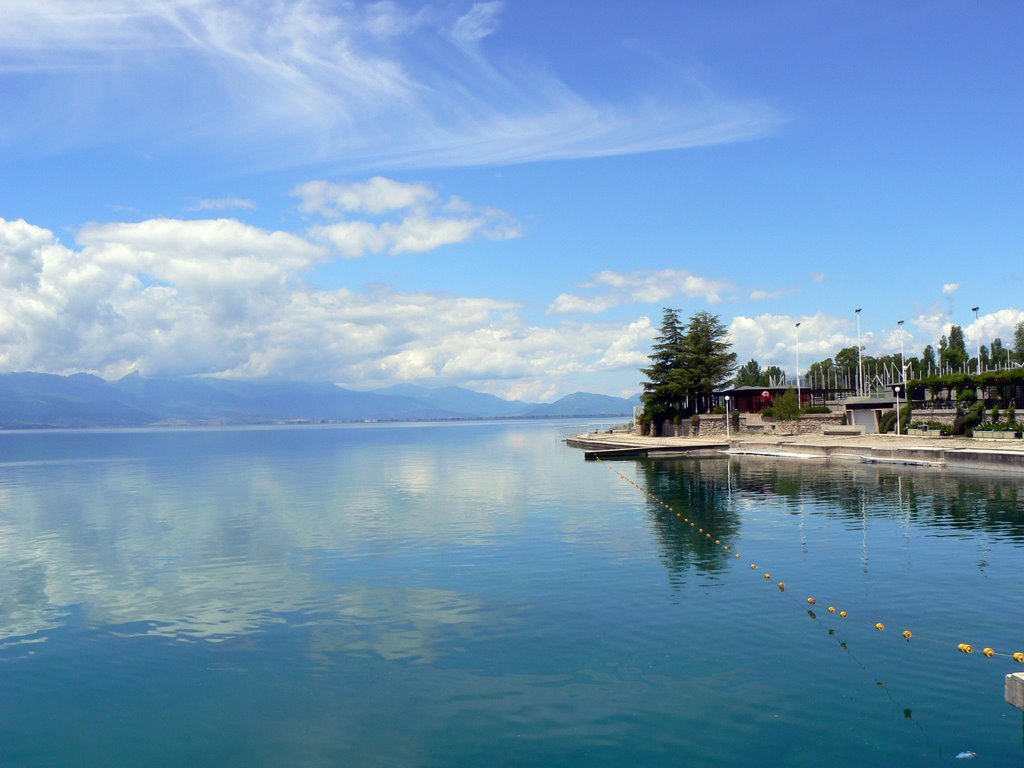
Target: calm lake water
{"x": 478, "y": 595}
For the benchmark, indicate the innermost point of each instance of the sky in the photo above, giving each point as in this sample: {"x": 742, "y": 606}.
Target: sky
{"x": 500, "y": 195}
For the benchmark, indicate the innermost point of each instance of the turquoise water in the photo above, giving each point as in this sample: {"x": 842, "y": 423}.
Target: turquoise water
{"x": 477, "y": 594}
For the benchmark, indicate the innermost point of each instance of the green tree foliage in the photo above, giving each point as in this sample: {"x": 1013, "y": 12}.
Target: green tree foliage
{"x": 929, "y": 364}
{"x": 707, "y": 362}
{"x": 997, "y": 352}
{"x": 774, "y": 376}
{"x": 687, "y": 365}
{"x": 786, "y": 407}
{"x": 956, "y": 353}
{"x": 1018, "y": 343}
{"x": 751, "y": 375}
{"x": 662, "y": 395}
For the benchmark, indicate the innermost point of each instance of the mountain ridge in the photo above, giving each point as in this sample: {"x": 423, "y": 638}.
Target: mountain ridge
{"x": 43, "y": 400}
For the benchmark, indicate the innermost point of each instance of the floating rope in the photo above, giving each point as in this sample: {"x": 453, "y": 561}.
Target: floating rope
{"x": 907, "y": 634}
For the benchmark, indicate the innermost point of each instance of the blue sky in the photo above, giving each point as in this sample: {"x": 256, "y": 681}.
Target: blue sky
{"x": 500, "y": 195}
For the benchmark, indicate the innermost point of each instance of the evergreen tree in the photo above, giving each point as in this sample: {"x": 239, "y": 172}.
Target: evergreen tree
{"x": 774, "y": 376}
{"x": 956, "y": 355}
{"x": 997, "y": 352}
{"x": 928, "y": 362}
{"x": 751, "y": 375}
{"x": 662, "y": 395}
{"x": 1018, "y": 342}
{"x": 707, "y": 362}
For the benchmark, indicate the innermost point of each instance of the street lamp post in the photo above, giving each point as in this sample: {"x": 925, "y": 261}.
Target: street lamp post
{"x": 799, "y": 402}
{"x": 903, "y": 360}
{"x": 727, "y": 417}
{"x": 860, "y": 362}
{"x": 977, "y": 336}
{"x": 897, "y": 409}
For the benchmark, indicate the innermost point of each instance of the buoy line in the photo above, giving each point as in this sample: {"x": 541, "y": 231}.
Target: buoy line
{"x": 880, "y": 626}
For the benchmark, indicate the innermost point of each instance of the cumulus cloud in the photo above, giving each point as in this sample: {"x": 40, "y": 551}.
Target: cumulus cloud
{"x": 771, "y": 339}
{"x": 423, "y": 221}
{"x": 220, "y": 297}
{"x": 640, "y": 286}
{"x": 948, "y": 289}
{"x": 364, "y": 84}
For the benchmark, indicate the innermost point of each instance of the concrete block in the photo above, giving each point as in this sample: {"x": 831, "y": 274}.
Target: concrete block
{"x": 1015, "y": 690}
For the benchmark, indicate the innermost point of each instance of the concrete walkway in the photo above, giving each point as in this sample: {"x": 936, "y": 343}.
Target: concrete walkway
{"x": 974, "y": 453}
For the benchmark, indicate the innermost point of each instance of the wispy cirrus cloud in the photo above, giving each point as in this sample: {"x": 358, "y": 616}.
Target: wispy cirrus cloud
{"x": 640, "y": 286}
{"x": 360, "y": 84}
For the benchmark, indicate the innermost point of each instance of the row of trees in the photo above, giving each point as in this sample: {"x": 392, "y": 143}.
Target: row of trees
{"x": 688, "y": 362}
{"x": 691, "y": 360}
{"x": 840, "y": 370}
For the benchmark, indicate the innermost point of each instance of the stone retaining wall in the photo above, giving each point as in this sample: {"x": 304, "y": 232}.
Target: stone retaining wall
{"x": 943, "y": 416}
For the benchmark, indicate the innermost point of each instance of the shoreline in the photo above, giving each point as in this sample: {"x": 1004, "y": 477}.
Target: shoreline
{"x": 938, "y": 453}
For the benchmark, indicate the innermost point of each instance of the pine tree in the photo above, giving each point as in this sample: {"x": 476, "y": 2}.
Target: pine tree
{"x": 751, "y": 375}
{"x": 707, "y": 362}
{"x": 956, "y": 355}
{"x": 1018, "y": 342}
{"x": 662, "y": 395}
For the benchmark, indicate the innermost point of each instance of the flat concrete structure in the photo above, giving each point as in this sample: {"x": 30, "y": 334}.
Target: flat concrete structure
{"x": 951, "y": 452}
{"x": 1015, "y": 690}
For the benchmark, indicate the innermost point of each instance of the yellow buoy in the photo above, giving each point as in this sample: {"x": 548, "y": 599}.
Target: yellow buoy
{"x": 1018, "y": 657}
{"x": 965, "y": 648}
{"x": 880, "y": 626}
{"x": 831, "y": 609}
{"x": 990, "y": 652}
{"x": 907, "y": 634}
{"x": 843, "y": 614}
{"x": 811, "y": 600}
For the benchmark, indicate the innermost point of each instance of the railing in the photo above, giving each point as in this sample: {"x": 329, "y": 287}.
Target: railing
{"x": 597, "y": 427}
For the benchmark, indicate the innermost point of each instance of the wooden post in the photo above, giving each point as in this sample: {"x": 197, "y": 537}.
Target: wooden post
{"x": 1015, "y": 690}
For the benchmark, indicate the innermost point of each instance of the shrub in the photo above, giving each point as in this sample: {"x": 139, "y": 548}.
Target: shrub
{"x": 887, "y": 422}
{"x": 938, "y": 426}
{"x": 995, "y": 414}
{"x": 966, "y": 422}
{"x": 1011, "y": 415}
{"x": 816, "y": 409}
{"x": 905, "y": 414}
{"x": 718, "y": 409}
{"x": 787, "y": 408}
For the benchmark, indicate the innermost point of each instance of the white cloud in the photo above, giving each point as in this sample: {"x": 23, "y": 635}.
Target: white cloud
{"x": 223, "y": 203}
{"x": 771, "y": 339}
{"x": 567, "y": 302}
{"x": 948, "y": 289}
{"x": 426, "y": 222}
{"x": 478, "y": 23}
{"x": 174, "y": 297}
{"x": 364, "y": 84}
{"x": 374, "y": 196}
{"x": 759, "y": 294}
{"x": 641, "y": 286}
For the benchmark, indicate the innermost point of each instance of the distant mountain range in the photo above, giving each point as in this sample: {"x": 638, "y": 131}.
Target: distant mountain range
{"x": 82, "y": 400}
